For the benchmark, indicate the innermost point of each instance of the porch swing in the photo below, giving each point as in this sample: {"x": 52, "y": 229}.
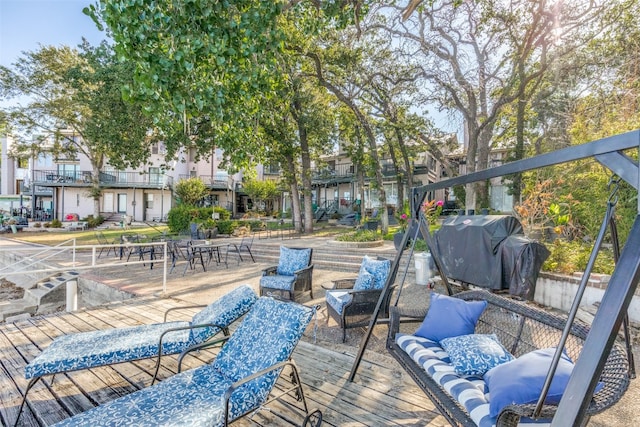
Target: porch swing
{"x": 602, "y": 367}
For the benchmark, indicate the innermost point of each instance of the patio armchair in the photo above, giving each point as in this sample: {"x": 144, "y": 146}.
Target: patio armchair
{"x": 291, "y": 278}
{"x": 110, "y": 346}
{"x": 351, "y": 302}
{"x": 238, "y": 382}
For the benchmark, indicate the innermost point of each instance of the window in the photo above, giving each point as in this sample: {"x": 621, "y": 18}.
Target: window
{"x": 154, "y": 148}
{"x": 154, "y": 176}
{"x": 23, "y": 163}
{"x": 45, "y": 160}
{"x": 68, "y": 171}
{"x": 149, "y": 201}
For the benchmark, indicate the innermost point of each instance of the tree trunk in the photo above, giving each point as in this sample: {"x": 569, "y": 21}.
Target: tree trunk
{"x": 295, "y": 196}
{"x": 368, "y": 131}
{"x": 306, "y": 168}
{"x": 96, "y": 191}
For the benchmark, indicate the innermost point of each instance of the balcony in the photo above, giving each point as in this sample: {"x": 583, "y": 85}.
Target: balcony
{"x": 339, "y": 173}
{"x": 111, "y": 179}
{"x": 215, "y": 182}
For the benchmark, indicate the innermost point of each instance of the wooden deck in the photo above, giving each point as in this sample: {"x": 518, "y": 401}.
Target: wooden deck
{"x": 381, "y": 395}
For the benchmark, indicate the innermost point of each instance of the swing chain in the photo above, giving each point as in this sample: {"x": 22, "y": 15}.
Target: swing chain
{"x": 613, "y": 186}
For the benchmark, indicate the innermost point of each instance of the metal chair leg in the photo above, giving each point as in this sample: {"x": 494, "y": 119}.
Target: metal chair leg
{"x": 24, "y": 398}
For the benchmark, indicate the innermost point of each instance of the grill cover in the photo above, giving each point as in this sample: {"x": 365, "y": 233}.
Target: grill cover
{"x": 489, "y": 251}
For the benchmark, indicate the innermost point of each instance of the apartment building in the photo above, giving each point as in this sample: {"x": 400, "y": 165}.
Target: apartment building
{"x": 336, "y": 185}
{"x": 59, "y": 186}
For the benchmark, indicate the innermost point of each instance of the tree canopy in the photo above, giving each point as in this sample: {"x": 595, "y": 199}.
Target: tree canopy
{"x": 75, "y": 96}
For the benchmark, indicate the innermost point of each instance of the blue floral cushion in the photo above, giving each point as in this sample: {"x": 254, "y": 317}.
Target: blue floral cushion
{"x": 292, "y": 260}
{"x": 277, "y": 282}
{"x": 338, "y": 299}
{"x": 475, "y": 354}
{"x": 222, "y": 312}
{"x": 378, "y": 268}
{"x": 267, "y": 335}
{"x": 106, "y": 347}
{"x": 450, "y": 317}
{"x": 364, "y": 281}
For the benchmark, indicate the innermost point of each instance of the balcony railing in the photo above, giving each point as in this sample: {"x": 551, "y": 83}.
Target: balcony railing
{"x": 105, "y": 179}
{"x": 343, "y": 170}
{"x": 212, "y": 181}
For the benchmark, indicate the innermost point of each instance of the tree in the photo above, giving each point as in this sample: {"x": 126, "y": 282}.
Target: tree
{"x": 75, "y": 96}
{"x": 216, "y": 66}
{"x": 480, "y": 57}
{"x": 262, "y": 193}
{"x": 335, "y": 63}
{"x": 190, "y": 191}
{"x": 207, "y": 65}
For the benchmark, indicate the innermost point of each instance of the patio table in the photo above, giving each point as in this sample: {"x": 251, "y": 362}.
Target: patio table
{"x": 211, "y": 250}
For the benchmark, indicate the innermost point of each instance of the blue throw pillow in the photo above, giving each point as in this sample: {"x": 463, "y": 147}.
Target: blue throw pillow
{"x": 520, "y": 381}
{"x": 475, "y": 354}
{"x": 364, "y": 281}
{"x": 450, "y": 317}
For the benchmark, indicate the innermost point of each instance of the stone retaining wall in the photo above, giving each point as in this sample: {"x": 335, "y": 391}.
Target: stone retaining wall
{"x": 558, "y": 291}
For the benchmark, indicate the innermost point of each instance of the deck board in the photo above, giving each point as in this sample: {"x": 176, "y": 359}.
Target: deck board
{"x": 381, "y": 394}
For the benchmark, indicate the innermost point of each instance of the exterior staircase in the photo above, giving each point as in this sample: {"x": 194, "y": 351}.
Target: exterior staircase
{"x": 45, "y": 296}
{"x": 327, "y": 257}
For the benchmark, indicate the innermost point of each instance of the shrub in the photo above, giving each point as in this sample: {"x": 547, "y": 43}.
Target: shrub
{"x": 46, "y": 225}
{"x": 56, "y": 223}
{"x": 93, "y": 222}
{"x": 567, "y": 257}
{"x": 359, "y": 236}
{"x": 181, "y": 216}
{"x": 36, "y": 225}
{"x": 226, "y": 226}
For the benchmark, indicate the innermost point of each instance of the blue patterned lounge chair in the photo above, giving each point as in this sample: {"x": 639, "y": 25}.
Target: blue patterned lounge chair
{"x": 110, "y": 346}
{"x": 351, "y": 302}
{"x": 291, "y": 278}
{"x": 237, "y": 382}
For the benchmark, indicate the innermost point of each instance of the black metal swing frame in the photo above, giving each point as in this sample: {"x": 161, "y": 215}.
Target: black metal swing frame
{"x": 609, "y": 152}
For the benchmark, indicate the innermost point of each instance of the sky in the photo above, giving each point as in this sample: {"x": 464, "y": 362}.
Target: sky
{"x": 27, "y": 24}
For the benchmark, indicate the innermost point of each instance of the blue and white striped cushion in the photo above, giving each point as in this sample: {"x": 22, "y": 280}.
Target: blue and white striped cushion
{"x": 470, "y": 391}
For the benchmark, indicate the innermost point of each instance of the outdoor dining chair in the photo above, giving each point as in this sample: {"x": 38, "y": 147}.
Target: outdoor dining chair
{"x": 243, "y": 247}
{"x": 104, "y": 242}
{"x": 110, "y": 346}
{"x": 238, "y": 382}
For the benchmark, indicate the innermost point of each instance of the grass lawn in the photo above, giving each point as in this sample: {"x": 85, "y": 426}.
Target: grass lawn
{"x": 87, "y": 237}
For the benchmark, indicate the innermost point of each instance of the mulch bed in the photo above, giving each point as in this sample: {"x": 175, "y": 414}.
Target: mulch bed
{"x": 9, "y": 290}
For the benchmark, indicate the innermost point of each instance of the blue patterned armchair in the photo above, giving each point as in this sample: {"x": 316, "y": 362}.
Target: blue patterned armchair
{"x": 291, "y": 278}
{"x": 351, "y": 302}
{"x": 239, "y": 381}
{"x": 110, "y": 346}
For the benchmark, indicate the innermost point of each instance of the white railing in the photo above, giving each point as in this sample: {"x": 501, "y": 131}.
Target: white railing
{"x": 60, "y": 249}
